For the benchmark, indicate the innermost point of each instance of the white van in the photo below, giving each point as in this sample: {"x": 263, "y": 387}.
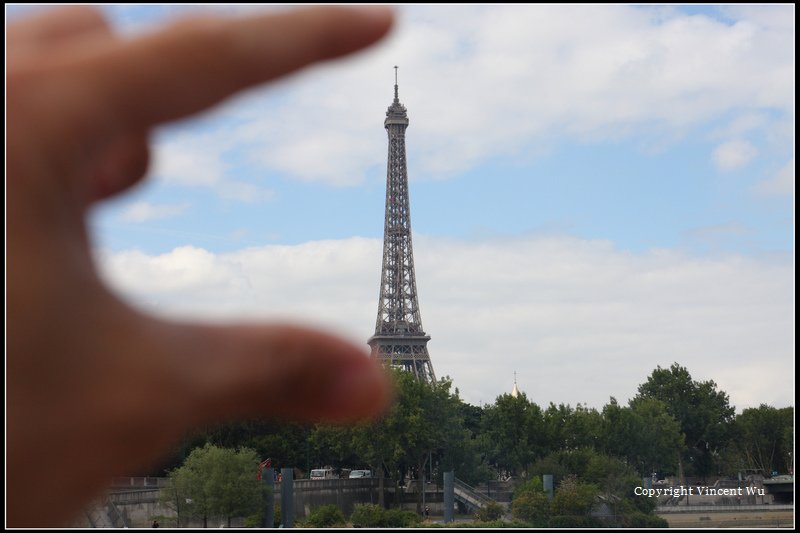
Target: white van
{"x": 323, "y": 473}
{"x": 360, "y": 473}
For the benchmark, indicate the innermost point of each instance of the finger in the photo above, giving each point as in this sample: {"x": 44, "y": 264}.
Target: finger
{"x": 54, "y": 26}
{"x": 123, "y": 163}
{"x": 279, "y": 371}
{"x": 197, "y": 63}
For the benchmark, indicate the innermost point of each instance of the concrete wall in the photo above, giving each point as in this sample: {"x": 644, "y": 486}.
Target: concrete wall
{"x": 140, "y": 507}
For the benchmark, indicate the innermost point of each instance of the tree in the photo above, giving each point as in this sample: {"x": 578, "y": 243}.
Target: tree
{"x": 325, "y": 516}
{"x": 512, "y": 433}
{"x": 425, "y": 423}
{"x": 217, "y": 482}
{"x": 573, "y": 498}
{"x": 702, "y": 411}
{"x": 762, "y": 440}
{"x": 644, "y": 434}
{"x": 427, "y": 419}
{"x": 530, "y": 503}
{"x": 568, "y": 428}
{"x": 287, "y": 444}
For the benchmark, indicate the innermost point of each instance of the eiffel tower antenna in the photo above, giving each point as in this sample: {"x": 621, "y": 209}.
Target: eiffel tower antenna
{"x": 399, "y": 339}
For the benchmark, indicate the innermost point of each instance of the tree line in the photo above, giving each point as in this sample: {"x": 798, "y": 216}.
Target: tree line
{"x": 674, "y": 426}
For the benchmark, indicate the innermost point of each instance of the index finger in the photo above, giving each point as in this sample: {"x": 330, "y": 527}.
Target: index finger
{"x": 196, "y": 63}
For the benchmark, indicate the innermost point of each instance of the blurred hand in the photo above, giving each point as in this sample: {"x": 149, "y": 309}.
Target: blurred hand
{"x": 94, "y": 387}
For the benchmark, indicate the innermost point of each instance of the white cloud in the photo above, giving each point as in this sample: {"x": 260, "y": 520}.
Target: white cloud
{"x": 487, "y": 81}
{"x": 733, "y": 155}
{"x": 198, "y": 160}
{"x": 780, "y": 184}
{"x": 577, "y": 320}
{"x": 144, "y": 211}
{"x": 192, "y": 160}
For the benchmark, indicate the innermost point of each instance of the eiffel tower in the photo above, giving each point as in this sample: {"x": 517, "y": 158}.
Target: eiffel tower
{"x": 399, "y": 339}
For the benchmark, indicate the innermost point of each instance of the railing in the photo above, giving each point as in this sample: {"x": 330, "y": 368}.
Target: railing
{"x": 469, "y": 496}
{"x": 329, "y": 484}
{"x": 135, "y": 496}
{"x": 137, "y": 482}
{"x": 117, "y": 519}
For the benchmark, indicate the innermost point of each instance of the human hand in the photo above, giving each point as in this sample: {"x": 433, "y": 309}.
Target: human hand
{"x": 94, "y": 387}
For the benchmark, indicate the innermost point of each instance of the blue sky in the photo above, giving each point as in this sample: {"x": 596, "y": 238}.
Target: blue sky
{"x": 595, "y": 190}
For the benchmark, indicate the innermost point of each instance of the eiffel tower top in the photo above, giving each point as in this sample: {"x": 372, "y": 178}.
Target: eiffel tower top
{"x": 396, "y": 114}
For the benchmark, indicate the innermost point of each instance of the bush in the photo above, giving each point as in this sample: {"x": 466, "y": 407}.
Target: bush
{"x": 573, "y": 498}
{"x": 325, "y": 516}
{"x": 376, "y": 516}
{"x": 399, "y": 518}
{"x": 532, "y": 507}
{"x": 490, "y": 512}
{"x": 533, "y": 485}
{"x": 368, "y": 515}
{"x": 256, "y": 520}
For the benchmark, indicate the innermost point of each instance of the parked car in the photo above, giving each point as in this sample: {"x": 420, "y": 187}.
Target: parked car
{"x": 323, "y": 473}
{"x": 360, "y": 473}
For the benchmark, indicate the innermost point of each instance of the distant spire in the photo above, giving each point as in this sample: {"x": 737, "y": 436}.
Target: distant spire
{"x": 396, "y": 97}
{"x": 515, "y": 390}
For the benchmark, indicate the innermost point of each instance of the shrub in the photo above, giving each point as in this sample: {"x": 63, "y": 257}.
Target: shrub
{"x": 368, "y": 515}
{"x": 256, "y": 520}
{"x": 399, "y": 518}
{"x": 532, "y": 507}
{"x": 490, "y": 512}
{"x": 533, "y": 485}
{"x": 573, "y": 498}
{"x": 325, "y": 516}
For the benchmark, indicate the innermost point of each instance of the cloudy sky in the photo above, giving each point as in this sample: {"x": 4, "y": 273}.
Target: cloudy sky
{"x": 595, "y": 191}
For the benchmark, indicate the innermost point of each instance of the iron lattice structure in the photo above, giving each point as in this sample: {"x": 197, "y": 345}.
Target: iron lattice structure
{"x": 399, "y": 339}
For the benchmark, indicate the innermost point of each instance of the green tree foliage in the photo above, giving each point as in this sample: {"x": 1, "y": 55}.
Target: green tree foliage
{"x": 530, "y": 503}
{"x": 325, "y": 516}
{"x": 368, "y": 515}
{"x": 426, "y": 419}
{"x": 609, "y": 476}
{"x": 396, "y": 518}
{"x": 616, "y": 481}
{"x": 574, "y": 498}
{"x": 702, "y": 411}
{"x": 217, "y": 482}
{"x": 376, "y": 516}
{"x": 512, "y": 433}
{"x": 287, "y": 444}
{"x": 489, "y": 512}
{"x": 568, "y": 428}
{"x": 673, "y": 422}
{"x": 761, "y": 440}
{"x": 426, "y": 422}
{"x": 644, "y": 434}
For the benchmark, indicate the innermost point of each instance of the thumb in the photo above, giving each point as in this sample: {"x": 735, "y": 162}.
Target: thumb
{"x": 281, "y": 371}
